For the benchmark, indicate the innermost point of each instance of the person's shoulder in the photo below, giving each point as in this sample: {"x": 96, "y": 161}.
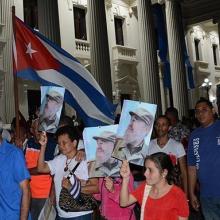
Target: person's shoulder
{"x": 174, "y": 142}
{"x": 13, "y": 149}
{"x": 196, "y": 131}
{"x": 60, "y": 157}
{"x": 153, "y": 142}
{"x": 83, "y": 163}
{"x": 142, "y": 186}
{"x": 217, "y": 123}
{"x": 177, "y": 191}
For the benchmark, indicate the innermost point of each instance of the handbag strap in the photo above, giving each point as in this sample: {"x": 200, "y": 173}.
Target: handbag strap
{"x": 144, "y": 200}
{"x": 73, "y": 170}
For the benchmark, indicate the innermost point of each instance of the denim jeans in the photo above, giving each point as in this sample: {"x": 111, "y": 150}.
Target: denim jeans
{"x": 82, "y": 217}
{"x": 210, "y": 208}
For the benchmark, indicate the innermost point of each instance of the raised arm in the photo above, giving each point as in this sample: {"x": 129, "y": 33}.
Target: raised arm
{"x": 42, "y": 166}
{"x": 126, "y": 198}
{"x": 25, "y": 201}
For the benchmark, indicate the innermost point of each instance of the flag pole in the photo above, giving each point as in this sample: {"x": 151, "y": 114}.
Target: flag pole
{"x": 15, "y": 80}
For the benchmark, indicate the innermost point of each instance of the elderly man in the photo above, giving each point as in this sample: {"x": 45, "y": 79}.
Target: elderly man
{"x": 105, "y": 165}
{"x": 132, "y": 147}
{"x": 14, "y": 182}
{"x": 49, "y": 119}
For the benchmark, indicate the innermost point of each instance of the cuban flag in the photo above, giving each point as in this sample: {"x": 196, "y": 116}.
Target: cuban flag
{"x": 37, "y": 58}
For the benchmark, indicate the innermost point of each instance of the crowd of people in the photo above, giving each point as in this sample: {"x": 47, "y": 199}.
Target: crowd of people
{"x": 179, "y": 176}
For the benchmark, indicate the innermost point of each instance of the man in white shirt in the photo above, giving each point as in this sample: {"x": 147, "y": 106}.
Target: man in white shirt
{"x": 168, "y": 145}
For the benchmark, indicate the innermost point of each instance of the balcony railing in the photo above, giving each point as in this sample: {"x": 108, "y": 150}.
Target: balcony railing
{"x": 202, "y": 71}
{"x": 202, "y": 67}
{"x": 82, "y": 49}
{"x": 217, "y": 71}
{"x": 124, "y": 54}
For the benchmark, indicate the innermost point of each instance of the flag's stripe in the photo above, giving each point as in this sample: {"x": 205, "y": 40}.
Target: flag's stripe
{"x": 95, "y": 97}
{"x": 88, "y": 121}
{"x": 82, "y": 77}
{"x": 71, "y": 63}
{"x": 30, "y": 74}
{"x": 81, "y": 97}
{"x": 82, "y": 91}
{"x": 36, "y": 33}
{"x": 76, "y": 72}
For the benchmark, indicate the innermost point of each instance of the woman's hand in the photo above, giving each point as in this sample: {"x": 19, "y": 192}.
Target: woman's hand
{"x": 43, "y": 139}
{"x": 80, "y": 155}
{"x": 125, "y": 170}
{"x": 66, "y": 184}
{"x": 109, "y": 184}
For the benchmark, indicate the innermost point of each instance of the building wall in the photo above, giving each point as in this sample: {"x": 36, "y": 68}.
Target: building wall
{"x": 207, "y": 33}
{"x": 127, "y": 75}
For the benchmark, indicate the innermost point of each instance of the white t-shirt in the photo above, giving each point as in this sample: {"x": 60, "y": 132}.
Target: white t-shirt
{"x": 172, "y": 147}
{"x": 57, "y": 166}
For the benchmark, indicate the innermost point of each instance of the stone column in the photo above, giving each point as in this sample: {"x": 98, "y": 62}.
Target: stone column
{"x": 100, "y": 60}
{"x": 149, "y": 62}
{"x": 7, "y": 111}
{"x": 48, "y": 19}
{"x": 175, "y": 37}
{"x": 219, "y": 32}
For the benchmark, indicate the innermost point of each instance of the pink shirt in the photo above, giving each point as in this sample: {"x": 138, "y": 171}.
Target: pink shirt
{"x": 110, "y": 207}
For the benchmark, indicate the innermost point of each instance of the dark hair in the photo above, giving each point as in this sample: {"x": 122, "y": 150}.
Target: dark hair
{"x": 163, "y": 161}
{"x": 165, "y": 117}
{"x": 206, "y": 101}
{"x": 172, "y": 111}
{"x": 70, "y": 131}
{"x": 66, "y": 120}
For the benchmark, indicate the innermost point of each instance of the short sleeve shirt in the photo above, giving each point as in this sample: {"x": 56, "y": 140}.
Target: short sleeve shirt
{"x": 168, "y": 207}
{"x": 13, "y": 171}
{"x": 203, "y": 153}
{"x": 56, "y": 167}
{"x": 172, "y": 147}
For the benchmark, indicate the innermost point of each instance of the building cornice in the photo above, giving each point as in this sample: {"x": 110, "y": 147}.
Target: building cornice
{"x": 195, "y": 11}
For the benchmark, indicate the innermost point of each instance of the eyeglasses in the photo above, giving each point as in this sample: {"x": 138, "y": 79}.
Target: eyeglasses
{"x": 201, "y": 111}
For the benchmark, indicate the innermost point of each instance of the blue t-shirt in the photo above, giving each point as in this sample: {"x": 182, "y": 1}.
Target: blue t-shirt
{"x": 204, "y": 153}
{"x": 13, "y": 171}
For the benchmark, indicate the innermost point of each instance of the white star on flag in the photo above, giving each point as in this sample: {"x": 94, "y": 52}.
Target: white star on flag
{"x": 30, "y": 50}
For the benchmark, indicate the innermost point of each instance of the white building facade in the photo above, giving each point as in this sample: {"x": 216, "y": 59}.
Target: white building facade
{"x": 121, "y": 53}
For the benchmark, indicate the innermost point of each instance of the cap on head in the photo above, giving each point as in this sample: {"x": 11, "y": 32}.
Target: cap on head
{"x": 54, "y": 95}
{"x": 144, "y": 115}
{"x": 107, "y": 136}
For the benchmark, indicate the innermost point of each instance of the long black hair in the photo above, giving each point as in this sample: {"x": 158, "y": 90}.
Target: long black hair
{"x": 163, "y": 162}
